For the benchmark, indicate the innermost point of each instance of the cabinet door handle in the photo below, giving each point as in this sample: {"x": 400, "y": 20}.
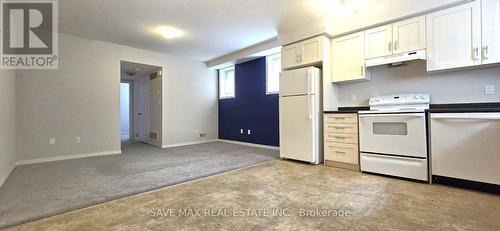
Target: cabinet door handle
{"x": 340, "y": 152}
{"x": 300, "y": 58}
{"x": 475, "y": 54}
{"x": 396, "y": 45}
{"x": 485, "y": 52}
{"x": 362, "y": 70}
{"x": 390, "y": 46}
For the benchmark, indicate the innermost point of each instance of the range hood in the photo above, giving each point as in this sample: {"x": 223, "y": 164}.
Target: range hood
{"x": 397, "y": 59}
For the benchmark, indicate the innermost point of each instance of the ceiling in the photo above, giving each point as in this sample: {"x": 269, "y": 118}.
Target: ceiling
{"x": 212, "y": 27}
{"x": 138, "y": 68}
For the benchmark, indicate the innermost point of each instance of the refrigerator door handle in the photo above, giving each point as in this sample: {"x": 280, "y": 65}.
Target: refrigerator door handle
{"x": 309, "y": 109}
{"x": 309, "y": 94}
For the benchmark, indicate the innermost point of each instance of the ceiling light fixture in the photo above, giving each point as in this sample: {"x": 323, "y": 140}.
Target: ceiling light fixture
{"x": 169, "y": 32}
{"x": 138, "y": 69}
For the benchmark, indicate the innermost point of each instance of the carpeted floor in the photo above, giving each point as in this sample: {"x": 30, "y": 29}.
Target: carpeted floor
{"x": 41, "y": 190}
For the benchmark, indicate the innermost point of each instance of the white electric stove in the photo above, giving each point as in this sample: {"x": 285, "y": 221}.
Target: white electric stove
{"x": 393, "y": 138}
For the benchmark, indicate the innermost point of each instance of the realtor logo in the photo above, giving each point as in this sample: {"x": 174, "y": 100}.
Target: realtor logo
{"x": 29, "y": 34}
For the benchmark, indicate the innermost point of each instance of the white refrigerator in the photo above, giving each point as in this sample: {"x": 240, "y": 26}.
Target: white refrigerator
{"x": 300, "y": 115}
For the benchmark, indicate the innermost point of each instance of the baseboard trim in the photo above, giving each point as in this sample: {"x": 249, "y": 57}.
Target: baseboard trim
{"x": 7, "y": 174}
{"x": 250, "y": 144}
{"x": 68, "y": 157}
{"x": 188, "y": 143}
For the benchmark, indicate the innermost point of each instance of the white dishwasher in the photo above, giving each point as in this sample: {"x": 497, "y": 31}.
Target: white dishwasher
{"x": 466, "y": 146}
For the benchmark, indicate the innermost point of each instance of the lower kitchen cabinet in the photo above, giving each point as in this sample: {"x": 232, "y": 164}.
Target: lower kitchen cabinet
{"x": 341, "y": 145}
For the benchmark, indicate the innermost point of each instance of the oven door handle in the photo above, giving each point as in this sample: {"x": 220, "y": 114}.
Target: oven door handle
{"x": 392, "y": 115}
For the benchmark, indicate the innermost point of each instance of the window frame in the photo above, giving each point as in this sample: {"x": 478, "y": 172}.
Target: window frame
{"x": 269, "y": 59}
{"x": 224, "y": 70}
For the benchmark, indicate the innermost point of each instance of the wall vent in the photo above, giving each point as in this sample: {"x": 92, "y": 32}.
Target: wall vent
{"x": 153, "y": 76}
{"x": 153, "y": 136}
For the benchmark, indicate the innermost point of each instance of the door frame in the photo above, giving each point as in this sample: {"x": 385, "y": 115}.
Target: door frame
{"x": 131, "y": 110}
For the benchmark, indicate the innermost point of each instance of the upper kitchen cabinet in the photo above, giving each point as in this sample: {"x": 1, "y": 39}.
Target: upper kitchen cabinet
{"x": 378, "y": 41}
{"x": 409, "y": 35}
{"x": 454, "y": 37}
{"x": 348, "y": 58}
{"x": 399, "y": 37}
{"x": 302, "y": 53}
{"x": 490, "y": 50}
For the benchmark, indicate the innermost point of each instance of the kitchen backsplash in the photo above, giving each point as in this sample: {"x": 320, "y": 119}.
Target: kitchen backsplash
{"x": 460, "y": 86}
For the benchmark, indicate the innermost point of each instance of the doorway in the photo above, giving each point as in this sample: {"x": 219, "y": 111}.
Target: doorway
{"x": 140, "y": 104}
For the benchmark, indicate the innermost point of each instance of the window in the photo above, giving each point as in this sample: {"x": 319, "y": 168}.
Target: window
{"x": 226, "y": 83}
{"x": 273, "y": 73}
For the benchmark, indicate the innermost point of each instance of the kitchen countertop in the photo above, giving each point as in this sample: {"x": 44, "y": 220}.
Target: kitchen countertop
{"x": 346, "y": 110}
{"x": 435, "y": 108}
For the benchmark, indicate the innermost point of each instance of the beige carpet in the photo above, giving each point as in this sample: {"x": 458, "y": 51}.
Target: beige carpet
{"x": 41, "y": 190}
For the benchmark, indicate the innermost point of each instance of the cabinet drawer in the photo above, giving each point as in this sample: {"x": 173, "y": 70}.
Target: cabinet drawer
{"x": 341, "y": 118}
{"x": 350, "y": 138}
{"x": 346, "y": 153}
{"x": 341, "y": 128}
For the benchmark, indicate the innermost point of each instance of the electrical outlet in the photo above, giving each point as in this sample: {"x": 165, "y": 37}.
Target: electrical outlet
{"x": 203, "y": 134}
{"x": 489, "y": 89}
{"x": 249, "y": 132}
{"x": 78, "y": 139}
{"x": 241, "y": 131}
{"x": 52, "y": 140}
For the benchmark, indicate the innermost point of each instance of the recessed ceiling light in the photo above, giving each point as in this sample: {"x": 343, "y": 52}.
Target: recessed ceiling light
{"x": 169, "y": 32}
{"x": 138, "y": 69}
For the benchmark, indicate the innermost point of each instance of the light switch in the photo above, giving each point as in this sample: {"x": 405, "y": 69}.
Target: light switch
{"x": 249, "y": 132}
{"x": 489, "y": 89}
{"x": 241, "y": 131}
{"x": 78, "y": 139}
{"x": 52, "y": 141}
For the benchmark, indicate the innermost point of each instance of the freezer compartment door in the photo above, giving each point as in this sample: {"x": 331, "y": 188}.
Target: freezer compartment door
{"x": 412, "y": 168}
{"x": 466, "y": 146}
{"x": 299, "y": 82}
{"x": 296, "y": 129}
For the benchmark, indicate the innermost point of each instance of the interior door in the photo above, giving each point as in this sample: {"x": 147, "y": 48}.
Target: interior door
{"x": 141, "y": 101}
{"x": 454, "y": 37}
{"x": 348, "y": 60}
{"x": 290, "y": 55}
{"x": 409, "y": 35}
{"x": 312, "y": 51}
{"x": 491, "y": 31}
{"x": 378, "y": 41}
{"x": 296, "y": 128}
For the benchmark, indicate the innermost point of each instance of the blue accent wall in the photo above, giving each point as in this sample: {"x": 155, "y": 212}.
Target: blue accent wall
{"x": 251, "y": 109}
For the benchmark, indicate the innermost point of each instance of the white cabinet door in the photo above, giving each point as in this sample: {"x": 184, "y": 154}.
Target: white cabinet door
{"x": 348, "y": 58}
{"x": 290, "y": 55}
{"x": 454, "y": 37}
{"x": 491, "y": 31}
{"x": 378, "y": 41}
{"x": 312, "y": 51}
{"x": 409, "y": 35}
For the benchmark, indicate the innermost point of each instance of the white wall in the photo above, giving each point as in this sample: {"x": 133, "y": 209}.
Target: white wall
{"x": 7, "y": 124}
{"x": 81, "y": 98}
{"x": 463, "y": 86}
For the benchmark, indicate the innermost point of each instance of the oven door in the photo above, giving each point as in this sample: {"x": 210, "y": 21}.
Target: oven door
{"x": 401, "y": 134}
